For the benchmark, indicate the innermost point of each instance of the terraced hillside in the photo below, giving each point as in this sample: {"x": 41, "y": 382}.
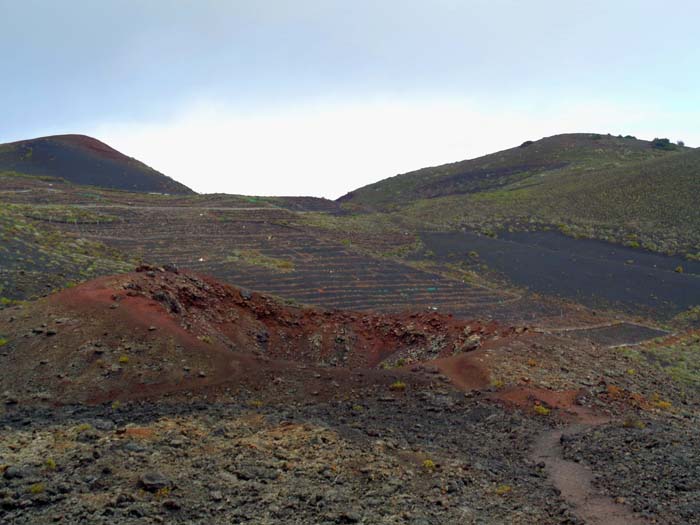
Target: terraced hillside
{"x": 266, "y": 249}
{"x": 37, "y": 258}
{"x": 305, "y": 250}
{"x": 84, "y": 160}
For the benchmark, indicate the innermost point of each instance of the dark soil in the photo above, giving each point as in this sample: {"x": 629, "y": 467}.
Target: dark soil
{"x": 84, "y": 160}
{"x": 593, "y": 273}
{"x": 617, "y": 334}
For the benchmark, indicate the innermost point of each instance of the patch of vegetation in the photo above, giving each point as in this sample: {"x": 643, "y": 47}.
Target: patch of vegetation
{"x": 162, "y": 493}
{"x": 37, "y": 488}
{"x": 65, "y": 214}
{"x": 663, "y": 144}
{"x": 83, "y": 427}
{"x": 662, "y": 405}
{"x": 503, "y": 490}
{"x": 541, "y": 410}
{"x": 679, "y": 359}
{"x": 399, "y": 386}
{"x": 257, "y": 258}
{"x": 634, "y": 422}
{"x": 689, "y": 317}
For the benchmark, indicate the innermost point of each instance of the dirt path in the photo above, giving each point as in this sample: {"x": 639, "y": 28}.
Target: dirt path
{"x": 575, "y": 481}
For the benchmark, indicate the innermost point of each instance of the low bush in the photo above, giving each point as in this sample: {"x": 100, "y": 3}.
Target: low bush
{"x": 502, "y": 490}
{"x": 663, "y": 144}
{"x": 541, "y": 410}
{"x": 37, "y": 488}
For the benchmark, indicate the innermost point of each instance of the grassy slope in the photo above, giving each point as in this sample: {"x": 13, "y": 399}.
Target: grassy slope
{"x": 620, "y": 190}
{"x": 36, "y": 258}
{"x": 663, "y": 192}
{"x": 560, "y": 154}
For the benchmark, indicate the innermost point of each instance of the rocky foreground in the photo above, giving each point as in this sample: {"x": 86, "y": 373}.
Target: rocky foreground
{"x": 426, "y": 458}
{"x": 161, "y": 397}
{"x": 421, "y": 456}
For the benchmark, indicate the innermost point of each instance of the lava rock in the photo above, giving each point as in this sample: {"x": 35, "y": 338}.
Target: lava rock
{"x": 154, "y": 481}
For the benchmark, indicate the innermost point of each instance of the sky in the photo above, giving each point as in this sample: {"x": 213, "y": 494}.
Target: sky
{"x": 300, "y": 97}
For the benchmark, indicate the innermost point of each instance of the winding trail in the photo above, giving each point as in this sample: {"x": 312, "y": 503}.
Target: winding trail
{"x": 575, "y": 481}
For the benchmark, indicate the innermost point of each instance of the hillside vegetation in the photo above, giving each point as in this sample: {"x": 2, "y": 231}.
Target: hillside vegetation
{"x": 560, "y": 154}
{"x": 623, "y": 190}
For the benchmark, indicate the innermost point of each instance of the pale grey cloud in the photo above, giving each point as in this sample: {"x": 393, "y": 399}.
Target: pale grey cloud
{"x": 80, "y": 65}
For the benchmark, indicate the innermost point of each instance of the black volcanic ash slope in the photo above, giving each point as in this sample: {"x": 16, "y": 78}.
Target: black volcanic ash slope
{"x": 85, "y": 160}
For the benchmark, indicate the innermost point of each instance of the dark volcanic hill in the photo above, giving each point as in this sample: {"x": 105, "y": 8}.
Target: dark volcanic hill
{"x": 85, "y": 160}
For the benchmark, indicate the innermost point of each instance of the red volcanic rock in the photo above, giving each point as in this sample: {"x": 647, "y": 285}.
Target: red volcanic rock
{"x": 174, "y": 331}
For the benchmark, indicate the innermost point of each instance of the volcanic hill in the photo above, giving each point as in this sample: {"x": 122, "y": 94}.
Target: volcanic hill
{"x": 160, "y": 330}
{"x": 87, "y": 161}
{"x": 617, "y": 189}
{"x": 567, "y": 153}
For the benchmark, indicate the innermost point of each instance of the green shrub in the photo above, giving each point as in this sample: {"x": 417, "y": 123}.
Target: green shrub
{"x": 541, "y": 410}
{"x": 37, "y": 488}
{"x": 502, "y": 490}
{"x": 663, "y": 144}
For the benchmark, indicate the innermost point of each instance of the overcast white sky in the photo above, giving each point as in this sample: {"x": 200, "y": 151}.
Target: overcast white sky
{"x": 318, "y": 98}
